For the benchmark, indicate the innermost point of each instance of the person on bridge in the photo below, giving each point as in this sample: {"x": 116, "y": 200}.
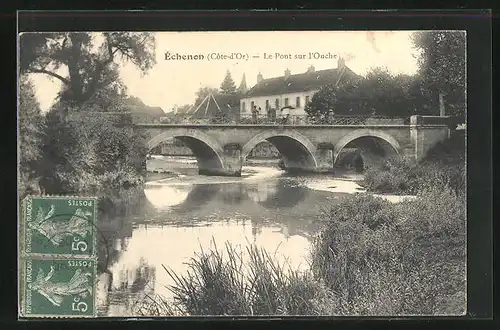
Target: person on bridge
{"x": 331, "y": 115}
{"x": 254, "y": 114}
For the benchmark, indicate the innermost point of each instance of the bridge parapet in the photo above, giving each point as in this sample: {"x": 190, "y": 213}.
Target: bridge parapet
{"x": 299, "y": 120}
{"x": 427, "y": 131}
{"x": 430, "y": 120}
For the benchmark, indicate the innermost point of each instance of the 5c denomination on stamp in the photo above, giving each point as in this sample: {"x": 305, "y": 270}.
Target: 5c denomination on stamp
{"x": 59, "y": 225}
{"x": 58, "y": 287}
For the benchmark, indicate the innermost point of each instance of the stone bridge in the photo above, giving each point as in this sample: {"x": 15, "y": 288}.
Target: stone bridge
{"x": 222, "y": 149}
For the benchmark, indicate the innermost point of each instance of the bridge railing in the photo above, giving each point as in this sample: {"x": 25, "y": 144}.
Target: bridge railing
{"x": 292, "y": 120}
{"x": 300, "y": 120}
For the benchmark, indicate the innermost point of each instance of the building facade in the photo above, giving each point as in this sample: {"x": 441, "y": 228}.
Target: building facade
{"x": 289, "y": 94}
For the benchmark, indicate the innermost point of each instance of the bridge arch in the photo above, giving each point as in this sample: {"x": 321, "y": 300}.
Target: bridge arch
{"x": 296, "y": 149}
{"x": 387, "y": 140}
{"x": 208, "y": 151}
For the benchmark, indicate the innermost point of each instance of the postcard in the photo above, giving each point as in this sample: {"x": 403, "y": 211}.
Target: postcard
{"x": 242, "y": 173}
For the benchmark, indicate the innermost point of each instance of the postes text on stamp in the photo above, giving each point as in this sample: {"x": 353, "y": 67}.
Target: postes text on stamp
{"x": 59, "y": 225}
{"x": 58, "y": 287}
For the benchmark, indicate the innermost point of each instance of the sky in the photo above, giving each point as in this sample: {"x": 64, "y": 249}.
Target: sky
{"x": 175, "y": 82}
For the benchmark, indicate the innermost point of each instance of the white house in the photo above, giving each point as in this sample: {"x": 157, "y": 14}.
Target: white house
{"x": 290, "y": 93}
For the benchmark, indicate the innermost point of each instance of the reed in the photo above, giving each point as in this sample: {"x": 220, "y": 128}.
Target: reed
{"x": 245, "y": 282}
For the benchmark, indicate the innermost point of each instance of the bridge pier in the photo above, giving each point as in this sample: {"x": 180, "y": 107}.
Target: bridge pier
{"x": 324, "y": 160}
{"x": 426, "y": 132}
{"x": 231, "y": 163}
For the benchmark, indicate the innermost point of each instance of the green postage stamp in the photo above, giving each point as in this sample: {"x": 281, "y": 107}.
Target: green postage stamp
{"x": 58, "y": 287}
{"x": 59, "y": 225}
{"x": 57, "y": 256}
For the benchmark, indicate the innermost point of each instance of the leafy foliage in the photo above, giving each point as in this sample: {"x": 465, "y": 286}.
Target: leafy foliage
{"x": 442, "y": 66}
{"x": 90, "y": 153}
{"x": 379, "y": 93}
{"x": 381, "y": 258}
{"x": 88, "y": 58}
{"x": 31, "y": 127}
{"x": 228, "y": 85}
{"x": 444, "y": 166}
{"x": 83, "y": 148}
{"x": 203, "y": 92}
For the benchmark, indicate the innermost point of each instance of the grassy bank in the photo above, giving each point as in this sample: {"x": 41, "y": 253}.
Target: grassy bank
{"x": 371, "y": 257}
{"x": 443, "y": 166}
{"x": 381, "y": 258}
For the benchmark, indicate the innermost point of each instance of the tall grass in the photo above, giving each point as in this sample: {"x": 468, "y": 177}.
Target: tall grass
{"x": 219, "y": 283}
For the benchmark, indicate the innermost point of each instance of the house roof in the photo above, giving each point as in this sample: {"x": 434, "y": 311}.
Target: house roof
{"x": 300, "y": 82}
{"x": 138, "y": 107}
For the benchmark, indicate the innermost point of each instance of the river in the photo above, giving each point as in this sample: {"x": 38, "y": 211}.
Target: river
{"x": 177, "y": 215}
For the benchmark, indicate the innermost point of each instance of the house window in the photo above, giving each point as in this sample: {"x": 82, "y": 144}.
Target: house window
{"x": 243, "y": 108}
{"x": 307, "y": 99}
{"x": 297, "y": 102}
{"x": 267, "y": 104}
{"x": 286, "y": 101}
{"x": 277, "y": 103}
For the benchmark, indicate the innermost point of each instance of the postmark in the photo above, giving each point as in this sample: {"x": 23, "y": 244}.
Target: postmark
{"x": 58, "y": 287}
{"x": 59, "y": 225}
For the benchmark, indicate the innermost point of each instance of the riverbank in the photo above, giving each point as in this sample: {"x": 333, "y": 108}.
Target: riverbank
{"x": 374, "y": 256}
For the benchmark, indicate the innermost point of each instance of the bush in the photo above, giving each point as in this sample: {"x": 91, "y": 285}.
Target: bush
{"x": 444, "y": 166}
{"x": 85, "y": 153}
{"x": 381, "y": 258}
{"x": 30, "y": 128}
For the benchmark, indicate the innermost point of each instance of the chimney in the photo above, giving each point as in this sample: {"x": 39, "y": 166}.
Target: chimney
{"x": 340, "y": 62}
{"x": 287, "y": 73}
{"x": 310, "y": 69}
{"x": 259, "y": 78}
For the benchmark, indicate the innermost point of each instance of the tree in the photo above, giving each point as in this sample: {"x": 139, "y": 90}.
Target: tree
{"x": 379, "y": 93}
{"x": 442, "y": 63}
{"x": 31, "y": 125}
{"x": 82, "y": 152}
{"x": 88, "y": 58}
{"x": 202, "y": 93}
{"x": 228, "y": 86}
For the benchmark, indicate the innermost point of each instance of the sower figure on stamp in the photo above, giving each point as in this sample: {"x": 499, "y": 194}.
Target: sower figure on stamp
{"x": 79, "y": 284}
{"x": 56, "y": 231}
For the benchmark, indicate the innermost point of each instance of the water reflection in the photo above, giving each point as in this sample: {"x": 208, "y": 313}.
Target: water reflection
{"x": 199, "y": 195}
{"x": 139, "y": 274}
{"x": 164, "y": 196}
{"x": 276, "y": 194}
